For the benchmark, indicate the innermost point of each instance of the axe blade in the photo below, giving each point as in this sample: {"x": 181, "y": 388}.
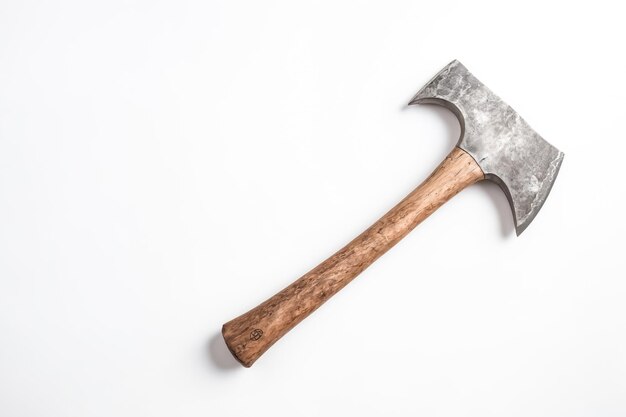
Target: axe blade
{"x": 506, "y": 148}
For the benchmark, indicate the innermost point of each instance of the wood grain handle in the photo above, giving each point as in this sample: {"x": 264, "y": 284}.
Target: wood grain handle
{"x": 251, "y": 334}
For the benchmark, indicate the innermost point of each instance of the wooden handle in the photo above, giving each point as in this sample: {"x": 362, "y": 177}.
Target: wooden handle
{"x": 251, "y": 334}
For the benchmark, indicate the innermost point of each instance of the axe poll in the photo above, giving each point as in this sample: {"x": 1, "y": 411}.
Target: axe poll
{"x": 496, "y": 144}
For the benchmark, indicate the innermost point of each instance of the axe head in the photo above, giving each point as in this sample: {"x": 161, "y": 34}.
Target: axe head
{"x": 508, "y": 150}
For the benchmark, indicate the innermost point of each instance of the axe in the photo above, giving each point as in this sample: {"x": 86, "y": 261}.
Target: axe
{"x": 496, "y": 144}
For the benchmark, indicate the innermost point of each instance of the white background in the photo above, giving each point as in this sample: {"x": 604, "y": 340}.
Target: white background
{"x": 166, "y": 165}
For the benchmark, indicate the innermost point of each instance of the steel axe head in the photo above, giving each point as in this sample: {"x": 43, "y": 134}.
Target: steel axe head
{"x": 508, "y": 150}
